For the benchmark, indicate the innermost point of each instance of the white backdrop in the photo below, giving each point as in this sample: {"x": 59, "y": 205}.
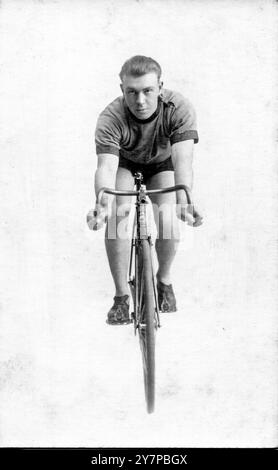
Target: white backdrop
{"x": 67, "y": 378}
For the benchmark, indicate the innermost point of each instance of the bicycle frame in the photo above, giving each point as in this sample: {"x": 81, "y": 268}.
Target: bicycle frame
{"x": 140, "y": 231}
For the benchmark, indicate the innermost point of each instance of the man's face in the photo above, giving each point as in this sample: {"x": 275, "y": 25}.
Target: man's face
{"x": 141, "y": 94}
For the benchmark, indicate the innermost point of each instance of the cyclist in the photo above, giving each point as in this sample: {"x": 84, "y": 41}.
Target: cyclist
{"x": 152, "y": 130}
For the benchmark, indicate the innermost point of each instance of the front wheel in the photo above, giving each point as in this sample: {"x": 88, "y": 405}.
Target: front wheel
{"x": 147, "y": 323}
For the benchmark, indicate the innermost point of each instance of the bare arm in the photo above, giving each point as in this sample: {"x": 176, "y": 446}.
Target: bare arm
{"x": 182, "y": 157}
{"x": 105, "y": 175}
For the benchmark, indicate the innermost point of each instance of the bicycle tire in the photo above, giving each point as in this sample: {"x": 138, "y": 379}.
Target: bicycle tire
{"x": 147, "y": 328}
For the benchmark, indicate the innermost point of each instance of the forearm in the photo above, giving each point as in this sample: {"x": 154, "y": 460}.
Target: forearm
{"x": 184, "y": 175}
{"x": 105, "y": 175}
{"x": 182, "y": 156}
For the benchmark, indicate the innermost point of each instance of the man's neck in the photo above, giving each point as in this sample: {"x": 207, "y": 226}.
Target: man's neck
{"x": 150, "y": 118}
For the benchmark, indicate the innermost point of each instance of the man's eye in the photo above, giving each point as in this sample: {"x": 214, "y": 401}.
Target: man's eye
{"x": 131, "y": 92}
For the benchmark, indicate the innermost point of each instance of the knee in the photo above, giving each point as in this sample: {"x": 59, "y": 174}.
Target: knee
{"x": 118, "y": 221}
{"x": 119, "y": 207}
{"x": 166, "y": 223}
{"x": 122, "y": 209}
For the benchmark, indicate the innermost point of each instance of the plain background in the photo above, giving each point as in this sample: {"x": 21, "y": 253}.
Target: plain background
{"x": 67, "y": 378}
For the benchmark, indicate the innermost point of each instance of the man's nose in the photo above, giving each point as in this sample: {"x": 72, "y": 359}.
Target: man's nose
{"x": 140, "y": 98}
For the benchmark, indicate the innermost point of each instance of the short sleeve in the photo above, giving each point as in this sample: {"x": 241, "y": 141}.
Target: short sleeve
{"x": 107, "y": 134}
{"x": 183, "y": 124}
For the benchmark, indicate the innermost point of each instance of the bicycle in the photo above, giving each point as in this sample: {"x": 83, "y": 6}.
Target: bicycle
{"x": 141, "y": 279}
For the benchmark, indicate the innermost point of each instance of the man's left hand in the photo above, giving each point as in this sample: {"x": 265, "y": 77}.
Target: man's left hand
{"x": 189, "y": 213}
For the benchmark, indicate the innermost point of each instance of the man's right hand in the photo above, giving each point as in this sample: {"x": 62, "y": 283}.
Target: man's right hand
{"x": 97, "y": 217}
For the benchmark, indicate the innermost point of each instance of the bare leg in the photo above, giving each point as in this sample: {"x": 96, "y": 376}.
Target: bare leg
{"x": 167, "y": 224}
{"x": 118, "y": 246}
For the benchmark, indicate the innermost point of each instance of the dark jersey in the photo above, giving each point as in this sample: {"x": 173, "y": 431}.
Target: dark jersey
{"x": 121, "y": 133}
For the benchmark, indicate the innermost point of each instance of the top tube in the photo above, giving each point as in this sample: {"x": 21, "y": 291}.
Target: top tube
{"x": 170, "y": 189}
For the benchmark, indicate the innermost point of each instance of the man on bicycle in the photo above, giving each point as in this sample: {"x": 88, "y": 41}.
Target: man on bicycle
{"x": 152, "y": 130}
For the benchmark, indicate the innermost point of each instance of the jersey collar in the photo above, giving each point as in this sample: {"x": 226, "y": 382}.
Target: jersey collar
{"x": 149, "y": 119}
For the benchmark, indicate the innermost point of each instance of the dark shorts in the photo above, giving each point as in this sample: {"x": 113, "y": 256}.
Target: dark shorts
{"x": 147, "y": 170}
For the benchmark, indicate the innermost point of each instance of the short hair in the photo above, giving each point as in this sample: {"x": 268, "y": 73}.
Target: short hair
{"x": 139, "y": 65}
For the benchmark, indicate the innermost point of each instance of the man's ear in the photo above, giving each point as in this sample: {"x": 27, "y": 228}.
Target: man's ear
{"x": 160, "y": 86}
{"x": 121, "y": 86}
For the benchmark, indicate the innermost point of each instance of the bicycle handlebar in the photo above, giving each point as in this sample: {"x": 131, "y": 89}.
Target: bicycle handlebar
{"x": 170, "y": 189}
